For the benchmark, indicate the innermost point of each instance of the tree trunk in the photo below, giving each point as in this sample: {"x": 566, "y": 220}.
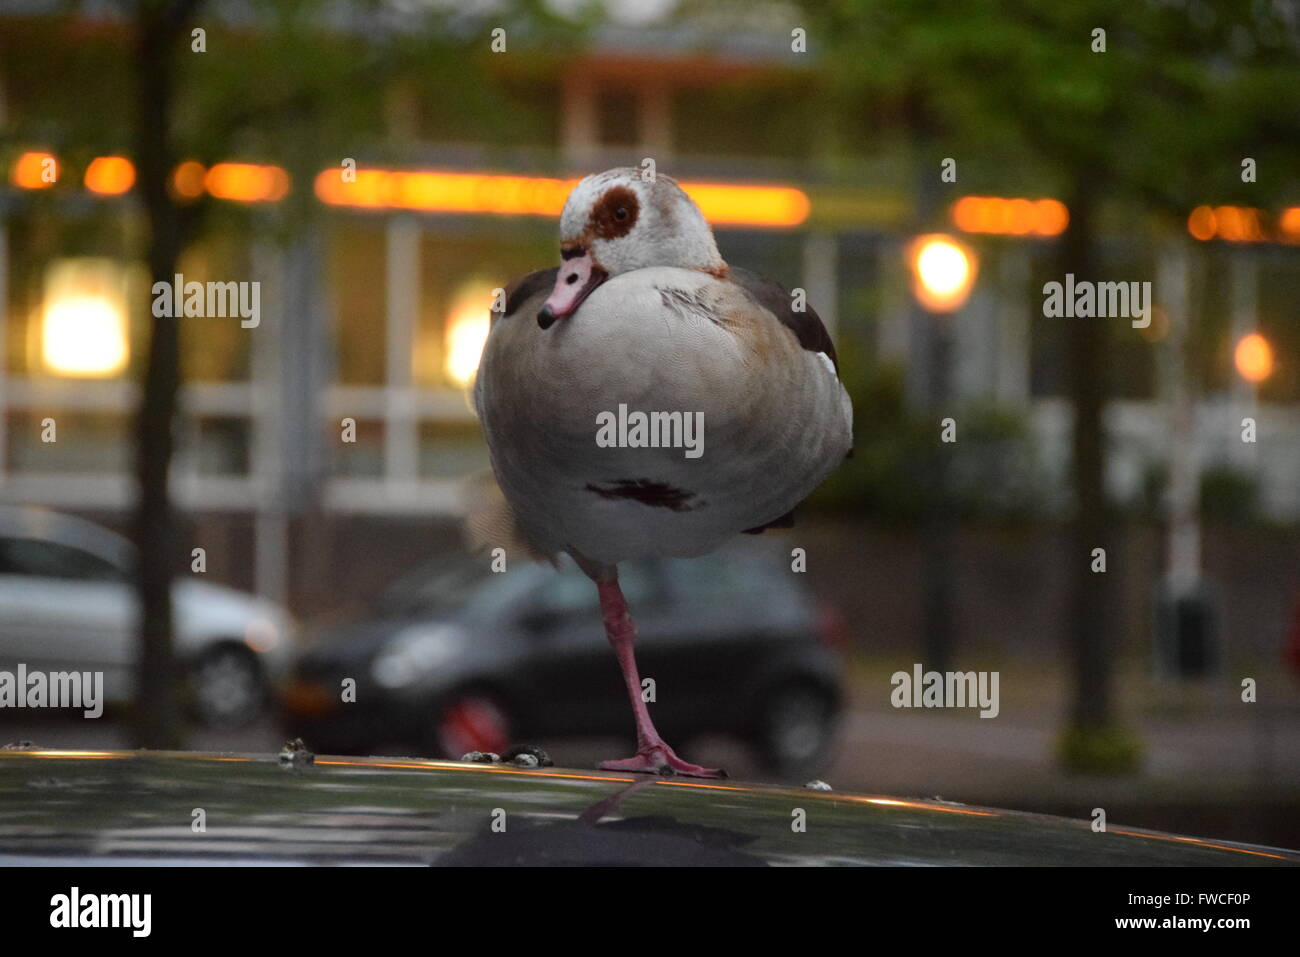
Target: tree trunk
{"x": 157, "y": 714}
{"x": 1090, "y": 593}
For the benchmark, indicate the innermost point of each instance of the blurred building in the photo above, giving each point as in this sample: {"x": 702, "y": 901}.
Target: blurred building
{"x": 374, "y": 292}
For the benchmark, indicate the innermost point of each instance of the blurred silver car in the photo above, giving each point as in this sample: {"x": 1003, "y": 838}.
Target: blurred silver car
{"x": 67, "y": 603}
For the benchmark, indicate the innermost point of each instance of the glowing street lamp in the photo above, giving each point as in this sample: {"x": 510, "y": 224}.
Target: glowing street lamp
{"x": 943, "y": 272}
{"x": 83, "y": 319}
{"x": 1254, "y": 358}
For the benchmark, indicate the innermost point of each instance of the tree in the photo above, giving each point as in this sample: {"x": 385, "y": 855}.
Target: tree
{"x": 159, "y": 26}
{"x": 298, "y": 82}
{"x": 314, "y": 90}
{"x": 1138, "y": 106}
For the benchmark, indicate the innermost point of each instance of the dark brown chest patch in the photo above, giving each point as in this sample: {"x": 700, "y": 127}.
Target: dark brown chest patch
{"x": 614, "y": 214}
{"x": 654, "y": 494}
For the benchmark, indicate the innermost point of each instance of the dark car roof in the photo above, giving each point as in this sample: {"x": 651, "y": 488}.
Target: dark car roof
{"x": 459, "y": 585}
{"x": 137, "y": 807}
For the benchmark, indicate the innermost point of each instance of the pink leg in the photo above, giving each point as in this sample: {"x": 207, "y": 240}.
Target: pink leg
{"x": 652, "y": 754}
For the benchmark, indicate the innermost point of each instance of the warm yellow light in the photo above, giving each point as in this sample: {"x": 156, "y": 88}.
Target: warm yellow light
{"x": 83, "y": 322}
{"x": 438, "y": 192}
{"x": 1254, "y": 358}
{"x": 368, "y": 188}
{"x": 942, "y": 267}
{"x": 35, "y": 170}
{"x": 969, "y": 214}
{"x": 1236, "y": 224}
{"x": 187, "y": 179}
{"x": 467, "y": 332}
{"x": 1157, "y": 330}
{"x": 247, "y": 182}
{"x": 1051, "y": 216}
{"x": 1202, "y": 224}
{"x": 943, "y": 272}
{"x": 1020, "y": 212}
{"x": 110, "y": 175}
{"x": 1288, "y": 224}
{"x": 749, "y": 205}
{"x": 1016, "y": 217}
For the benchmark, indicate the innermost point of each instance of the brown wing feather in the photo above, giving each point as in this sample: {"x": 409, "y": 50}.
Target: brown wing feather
{"x": 806, "y": 326}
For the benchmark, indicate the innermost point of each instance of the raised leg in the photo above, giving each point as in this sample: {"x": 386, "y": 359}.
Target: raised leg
{"x": 652, "y": 753}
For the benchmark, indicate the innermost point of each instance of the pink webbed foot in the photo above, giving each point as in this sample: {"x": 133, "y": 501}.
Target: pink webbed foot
{"x": 661, "y": 759}
{"x": 653, "y": 756}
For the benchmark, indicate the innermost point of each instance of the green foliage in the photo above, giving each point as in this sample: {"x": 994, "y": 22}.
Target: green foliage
{"x": 1160, "y": 120}
{"x": 1109, "y": 750}
{"x": 879, "y": 481}
{"x": 994, "y": 475}
{"x": 1229, "y": 495}
{"x": 296, "y": 82}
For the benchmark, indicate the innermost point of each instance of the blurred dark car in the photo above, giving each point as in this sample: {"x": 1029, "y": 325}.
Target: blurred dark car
{"x": 456, "y": 658}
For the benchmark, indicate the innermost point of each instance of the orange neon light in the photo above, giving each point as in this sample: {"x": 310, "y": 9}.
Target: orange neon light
{"x": 187, "y": 179}
{"x": 1010, "y": 217}
{"x": 110, "y": 175}
{"x": 429, "y": 191}
{"x": 1202, "y": 223}
{"x": 1244, "y": 224}
{"x": 750, "y": 205}
{"x": 35, "y": 170}
{"x": 1288, "y": 224}
{"x": 247, "y": 182}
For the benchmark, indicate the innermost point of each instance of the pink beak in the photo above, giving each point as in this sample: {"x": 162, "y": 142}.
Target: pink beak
{"x": 577, "y": 277}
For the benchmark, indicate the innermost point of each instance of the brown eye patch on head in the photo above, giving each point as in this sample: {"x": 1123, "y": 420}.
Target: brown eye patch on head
{"x": 615, "y": 213}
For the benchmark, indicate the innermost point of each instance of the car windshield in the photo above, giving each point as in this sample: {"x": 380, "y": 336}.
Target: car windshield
{"x": 435, "y": 585}
{"x": 448, "y": 584}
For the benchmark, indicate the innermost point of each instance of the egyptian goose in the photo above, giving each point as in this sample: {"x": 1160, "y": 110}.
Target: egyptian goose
{"x": 644, "y": 315}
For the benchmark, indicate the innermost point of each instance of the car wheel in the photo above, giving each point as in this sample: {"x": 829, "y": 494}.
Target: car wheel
{"x": 796, "y": 728}
{"x": 471, "y": 721}
{"x": 228, "y": 688}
